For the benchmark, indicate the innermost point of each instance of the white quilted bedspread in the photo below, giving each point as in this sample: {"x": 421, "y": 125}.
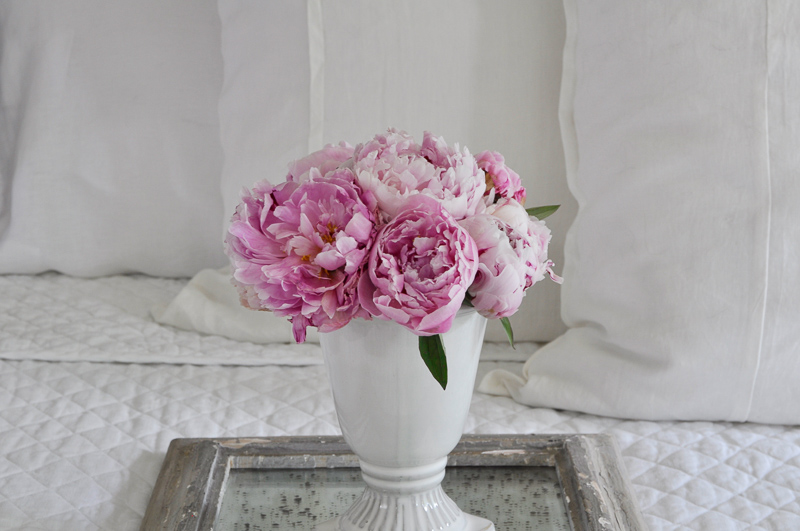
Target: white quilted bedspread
{"x": 82, "y": 442}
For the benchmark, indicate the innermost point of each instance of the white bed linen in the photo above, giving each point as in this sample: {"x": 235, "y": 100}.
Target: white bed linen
{"x": 81, "y": 442}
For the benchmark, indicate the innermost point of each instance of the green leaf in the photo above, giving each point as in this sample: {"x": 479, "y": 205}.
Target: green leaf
{"x": 431, "y": 348}
{"x": 509, "y": 331}
{"x": 542, "y": 211}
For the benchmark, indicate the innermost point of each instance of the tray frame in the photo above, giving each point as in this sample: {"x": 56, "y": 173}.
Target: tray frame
{"x": 190, "y": 486}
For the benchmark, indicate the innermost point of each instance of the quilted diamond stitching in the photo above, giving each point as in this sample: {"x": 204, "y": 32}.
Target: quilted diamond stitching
{"x": 685, "y": 475}
{"x": 82, "y": 443}
{"x": 55, "y": 317}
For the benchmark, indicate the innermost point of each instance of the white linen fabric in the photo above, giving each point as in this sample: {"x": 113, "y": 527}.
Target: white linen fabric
{"x": 302, "y": 74}
{"x": 209, "y": 304}
{"x": 264, "y": 105}
{"x": 682, "y": 270}
{"x": 81, "y": 443}
{"x": 61, "y": 318}
{"x": 111, "y": 158}
{"x": 53, "y": 317}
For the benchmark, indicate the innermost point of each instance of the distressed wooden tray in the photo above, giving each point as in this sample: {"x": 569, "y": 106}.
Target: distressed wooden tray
{"x": 586, "y": 470}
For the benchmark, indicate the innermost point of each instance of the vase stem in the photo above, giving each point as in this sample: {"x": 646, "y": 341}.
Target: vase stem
{"x": 406, "y": 480}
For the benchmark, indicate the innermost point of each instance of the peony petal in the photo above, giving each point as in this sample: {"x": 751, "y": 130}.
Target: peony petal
{"x": 345, "y": 244}
{"x": 359, "y": 227}
{"x": 299, "y": 328}
{"x": 441, "y": 319}
{"x": 303, "y": 247}
{"x": 330, "y": 303}
{"x": 398, "y": 315}
{"x": 330, "y": 260}
{"x": 366, "y": 291}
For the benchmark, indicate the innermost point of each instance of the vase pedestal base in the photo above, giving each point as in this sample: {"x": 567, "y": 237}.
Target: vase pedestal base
{"x": 405, "y": 499}
{"x": 471, "y": 523}
{"x": 408, "y": 498}
{"x": 430, "y": 510}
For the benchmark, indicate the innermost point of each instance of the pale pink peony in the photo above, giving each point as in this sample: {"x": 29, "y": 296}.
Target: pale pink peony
{"x": 391, "y": 167}
{"x": 420, "y": 266}
{"x": 460, "y": 184}
{"x": 394, "y": 167}
{"x": 501, "y": 181}
{"x": 298, "y": 249}
{"x": 325, "y": 160}
{"x": 537, "y": 235}
{"x": 512, "y": 250}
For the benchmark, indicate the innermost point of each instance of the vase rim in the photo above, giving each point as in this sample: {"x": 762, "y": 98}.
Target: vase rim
{"x": 464, "y": 310}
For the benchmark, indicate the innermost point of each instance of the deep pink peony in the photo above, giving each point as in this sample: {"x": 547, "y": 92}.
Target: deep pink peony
{"x": 325, "y": 160}
{"x": 420, "y": 266}
{"x": 501, "y": 181}
{"x": 298, "y": 249}
{"x": 512, "y": 249}
{"x": 394, "y": 167}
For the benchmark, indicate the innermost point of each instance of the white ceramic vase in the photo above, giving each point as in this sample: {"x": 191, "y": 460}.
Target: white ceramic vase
{"x": 400, "y": 422}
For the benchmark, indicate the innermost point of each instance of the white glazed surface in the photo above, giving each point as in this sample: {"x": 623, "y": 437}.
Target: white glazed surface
{"x": 391, "y": 410}
{"x": 400, "y": 422}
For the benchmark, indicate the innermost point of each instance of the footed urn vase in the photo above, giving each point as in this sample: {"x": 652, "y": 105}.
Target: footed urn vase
{"x": 401, "y": 423}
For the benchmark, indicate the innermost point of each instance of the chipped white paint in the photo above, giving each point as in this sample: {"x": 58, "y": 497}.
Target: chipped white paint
{"x": 503, "y": 452}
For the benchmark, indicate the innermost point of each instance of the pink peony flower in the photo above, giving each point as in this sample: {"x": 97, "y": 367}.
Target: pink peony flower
{"x": 420, "y": 266}
{"x": 537, "y": 234}
{"x": 501, "y": 181}
{"x": 391, "y": 167}
{"x": 325, "y": 160}
{"x": 394, "y": 168}
{"x": 512, "y": 250}
{"x": 299, "y": 248}
{"x": 460, "y": 184}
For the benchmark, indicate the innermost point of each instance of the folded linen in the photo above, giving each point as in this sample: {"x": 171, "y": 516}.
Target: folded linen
{"x": 210, "y": 304}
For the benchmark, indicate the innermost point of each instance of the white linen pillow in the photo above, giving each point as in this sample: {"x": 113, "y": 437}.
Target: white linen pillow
{"x": 265, "y": 123}
{"x": 111, "y": 139}
{"x": 682, "y": 285}
{"x": 264, "y": 105}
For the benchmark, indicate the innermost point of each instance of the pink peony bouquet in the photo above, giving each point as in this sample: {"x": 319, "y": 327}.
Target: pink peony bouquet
{"x": 394, "y": 230}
